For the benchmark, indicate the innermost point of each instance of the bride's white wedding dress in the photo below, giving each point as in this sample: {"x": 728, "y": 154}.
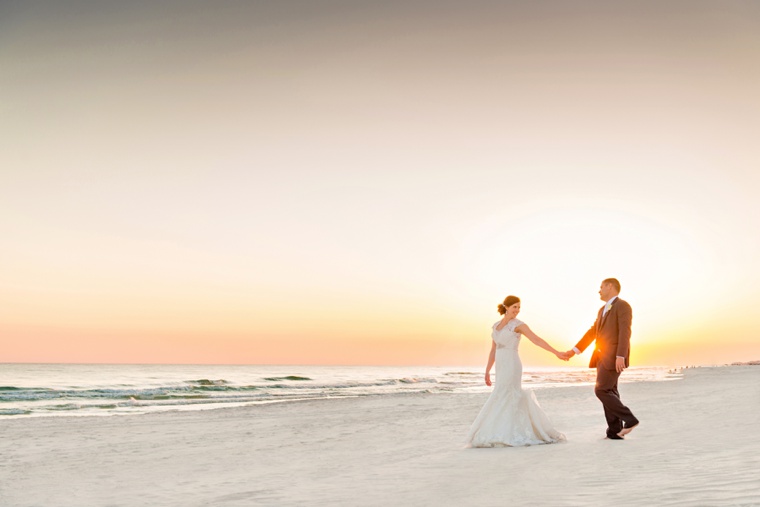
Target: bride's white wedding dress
{"x": 510, "y": 416}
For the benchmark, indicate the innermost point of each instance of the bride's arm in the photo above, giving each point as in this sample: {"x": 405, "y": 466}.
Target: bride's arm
{"x": 533, "y": 337}
{"x": 491, "y": 360}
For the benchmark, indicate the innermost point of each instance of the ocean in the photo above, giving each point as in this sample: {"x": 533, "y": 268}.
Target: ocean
{"x": 55, "y": 390}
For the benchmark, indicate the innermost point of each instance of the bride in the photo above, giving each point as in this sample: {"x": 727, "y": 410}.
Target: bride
{"x": 511, "y": 416}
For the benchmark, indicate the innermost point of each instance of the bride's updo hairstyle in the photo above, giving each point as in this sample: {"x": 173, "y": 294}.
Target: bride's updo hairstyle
{"x": 507, "y": 303}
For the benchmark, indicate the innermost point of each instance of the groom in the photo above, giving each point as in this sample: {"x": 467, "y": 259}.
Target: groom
{"x": 612, "y": 332}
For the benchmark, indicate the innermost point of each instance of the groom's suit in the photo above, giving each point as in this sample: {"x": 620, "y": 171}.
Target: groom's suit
{"x": 612, "y": 333}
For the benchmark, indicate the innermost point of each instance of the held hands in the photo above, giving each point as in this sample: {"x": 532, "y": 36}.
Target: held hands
{"x": 565, "y": 356}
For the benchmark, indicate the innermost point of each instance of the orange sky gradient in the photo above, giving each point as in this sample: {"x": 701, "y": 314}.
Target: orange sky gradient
{"x": 333, "y": 182}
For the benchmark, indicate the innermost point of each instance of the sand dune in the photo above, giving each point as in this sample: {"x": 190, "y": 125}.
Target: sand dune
{"x": 697, "y": 445}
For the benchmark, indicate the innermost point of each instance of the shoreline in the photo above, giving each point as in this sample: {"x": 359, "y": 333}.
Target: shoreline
{"x": 64, "y": 391}
{"x": 695, "y": 446}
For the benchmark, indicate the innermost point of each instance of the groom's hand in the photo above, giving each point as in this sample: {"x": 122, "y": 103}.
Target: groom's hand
{"x": 620, "y": 364}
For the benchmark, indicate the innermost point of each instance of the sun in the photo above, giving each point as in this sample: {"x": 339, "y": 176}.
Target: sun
{"x": 554, "y": 259}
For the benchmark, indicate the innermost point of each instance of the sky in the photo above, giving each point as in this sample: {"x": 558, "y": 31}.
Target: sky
{"x": 362, "y": 182}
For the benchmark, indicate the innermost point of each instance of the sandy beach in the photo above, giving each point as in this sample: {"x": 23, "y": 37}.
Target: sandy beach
{"x": 697, "y": 445}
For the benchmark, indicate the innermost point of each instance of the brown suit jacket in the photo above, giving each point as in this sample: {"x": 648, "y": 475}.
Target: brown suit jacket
{"x": 612, "y": 334}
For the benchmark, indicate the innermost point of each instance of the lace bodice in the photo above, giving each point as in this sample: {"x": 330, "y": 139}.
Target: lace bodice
{"x": 506, "y": 337}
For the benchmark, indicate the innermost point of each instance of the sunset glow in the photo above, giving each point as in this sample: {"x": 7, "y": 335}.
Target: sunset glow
{"x": 362, "y": 183}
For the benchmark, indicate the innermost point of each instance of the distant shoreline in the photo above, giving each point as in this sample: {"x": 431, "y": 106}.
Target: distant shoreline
{"x": 298, "y": 365}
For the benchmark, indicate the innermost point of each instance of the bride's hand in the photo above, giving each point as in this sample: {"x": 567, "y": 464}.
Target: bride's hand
{"x": 488, "y": 379}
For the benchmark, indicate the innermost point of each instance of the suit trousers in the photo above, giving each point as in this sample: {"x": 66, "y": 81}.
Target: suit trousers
{"x": 614, "y": 411}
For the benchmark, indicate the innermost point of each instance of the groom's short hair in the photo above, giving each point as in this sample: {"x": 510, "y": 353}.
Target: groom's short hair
{"x": 614, "y": 282}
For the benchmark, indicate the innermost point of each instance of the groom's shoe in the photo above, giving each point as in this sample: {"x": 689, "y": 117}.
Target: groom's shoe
{"x": 612, "y": 436}
{"x": 627, "y": 428}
